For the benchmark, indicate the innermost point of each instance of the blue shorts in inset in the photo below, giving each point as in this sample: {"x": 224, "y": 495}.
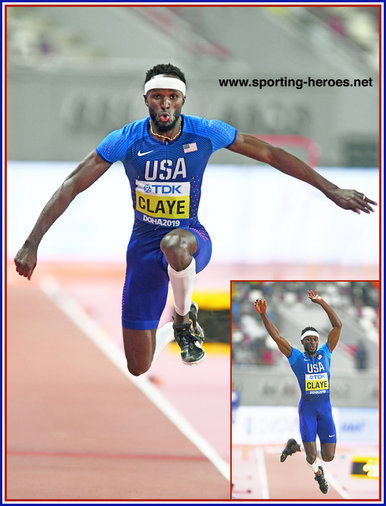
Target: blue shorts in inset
{"x": 315, "y": 418}
{"x": 146, "y": 284}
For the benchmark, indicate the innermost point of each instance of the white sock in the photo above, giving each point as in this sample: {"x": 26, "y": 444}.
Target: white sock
{"x": 182, "y": 284}
{"x": 164, "y": 336}
{"x": 319, "y": 454}
{"x": 314, "y": 466}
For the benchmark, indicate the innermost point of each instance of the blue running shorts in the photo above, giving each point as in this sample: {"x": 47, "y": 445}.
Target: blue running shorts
{"x": 146, "y": 285}
{"x": 315, "y": 418}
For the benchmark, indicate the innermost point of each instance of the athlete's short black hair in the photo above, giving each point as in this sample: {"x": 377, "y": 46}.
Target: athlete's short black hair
{"x": 165, "y": 68}
{"x": 308, "y": 328}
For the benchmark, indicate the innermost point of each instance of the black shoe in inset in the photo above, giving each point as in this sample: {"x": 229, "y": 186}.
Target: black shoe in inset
{"x": 323, "y": 485}
{"x": 190, "y": 343}
{"x": 288, "y": 450}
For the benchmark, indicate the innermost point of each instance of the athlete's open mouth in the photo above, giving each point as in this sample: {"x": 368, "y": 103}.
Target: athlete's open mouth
{"x": 164, "y": 117}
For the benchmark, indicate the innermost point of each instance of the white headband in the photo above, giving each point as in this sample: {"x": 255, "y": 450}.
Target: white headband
{"x": 309, "y": 333}
{"x": 165, "y": 83}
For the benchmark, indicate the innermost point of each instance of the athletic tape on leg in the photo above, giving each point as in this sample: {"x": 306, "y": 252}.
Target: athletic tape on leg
{"x": 182, "y": 284}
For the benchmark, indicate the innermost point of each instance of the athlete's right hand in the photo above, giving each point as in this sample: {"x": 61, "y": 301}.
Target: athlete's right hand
{"x": 261, "y": 306}
{"x": 26, "y": 260}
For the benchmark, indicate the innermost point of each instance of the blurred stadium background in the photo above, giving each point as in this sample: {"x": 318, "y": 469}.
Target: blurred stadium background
{"x": 78, "y": 71}
{"x": 267, "y": 394}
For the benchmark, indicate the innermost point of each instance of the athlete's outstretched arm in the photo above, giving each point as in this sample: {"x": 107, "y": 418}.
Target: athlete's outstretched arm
{"x": 86, "y": 173}
{"x": 248, "y": 145}
{"x": 282, "y": 344}
{"x": 333, "y": 335}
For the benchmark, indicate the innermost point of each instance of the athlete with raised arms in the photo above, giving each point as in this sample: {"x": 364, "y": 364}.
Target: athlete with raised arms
{"x": 165, "y": 156}
{"x": 312, "y": 369}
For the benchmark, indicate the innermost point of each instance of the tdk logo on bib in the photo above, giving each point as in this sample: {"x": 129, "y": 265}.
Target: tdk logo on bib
{"x": 163, "y": 189}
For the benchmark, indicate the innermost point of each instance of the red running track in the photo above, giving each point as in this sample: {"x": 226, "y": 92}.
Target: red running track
{"x": 77, "y": 428}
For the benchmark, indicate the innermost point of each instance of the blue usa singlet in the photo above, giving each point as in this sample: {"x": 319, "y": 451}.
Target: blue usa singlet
{"x": 313, "y": 375}
{"x": 165, "y": 181}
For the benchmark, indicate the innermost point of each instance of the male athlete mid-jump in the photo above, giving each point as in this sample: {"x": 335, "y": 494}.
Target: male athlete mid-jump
{"x": 165, "y": 156}
{"x": 312, "y": 369}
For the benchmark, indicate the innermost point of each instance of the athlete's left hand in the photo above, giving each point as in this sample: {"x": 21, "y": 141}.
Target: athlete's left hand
{"x": 314, "y": 296}
{"x": 352, "y": 200}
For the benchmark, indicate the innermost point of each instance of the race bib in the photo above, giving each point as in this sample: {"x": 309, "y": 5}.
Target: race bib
{"x": 316, "y": 383}
{"x": 165, "y": 204}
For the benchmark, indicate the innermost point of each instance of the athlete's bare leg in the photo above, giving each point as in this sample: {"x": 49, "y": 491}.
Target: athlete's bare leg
{"x": 310, "y": 450}
{"x": 139, "y": 349}
{"x": 179, "y": 246}
{"x": 328, "y": 451}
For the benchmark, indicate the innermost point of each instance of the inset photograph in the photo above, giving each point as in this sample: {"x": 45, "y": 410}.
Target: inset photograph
{"x": 306, "y": 390}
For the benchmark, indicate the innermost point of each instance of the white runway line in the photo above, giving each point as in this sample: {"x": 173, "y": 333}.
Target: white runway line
{"x": 335, "y": 484}
{"x": 93, "y": 331}
{"x": 262, "y": 471}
